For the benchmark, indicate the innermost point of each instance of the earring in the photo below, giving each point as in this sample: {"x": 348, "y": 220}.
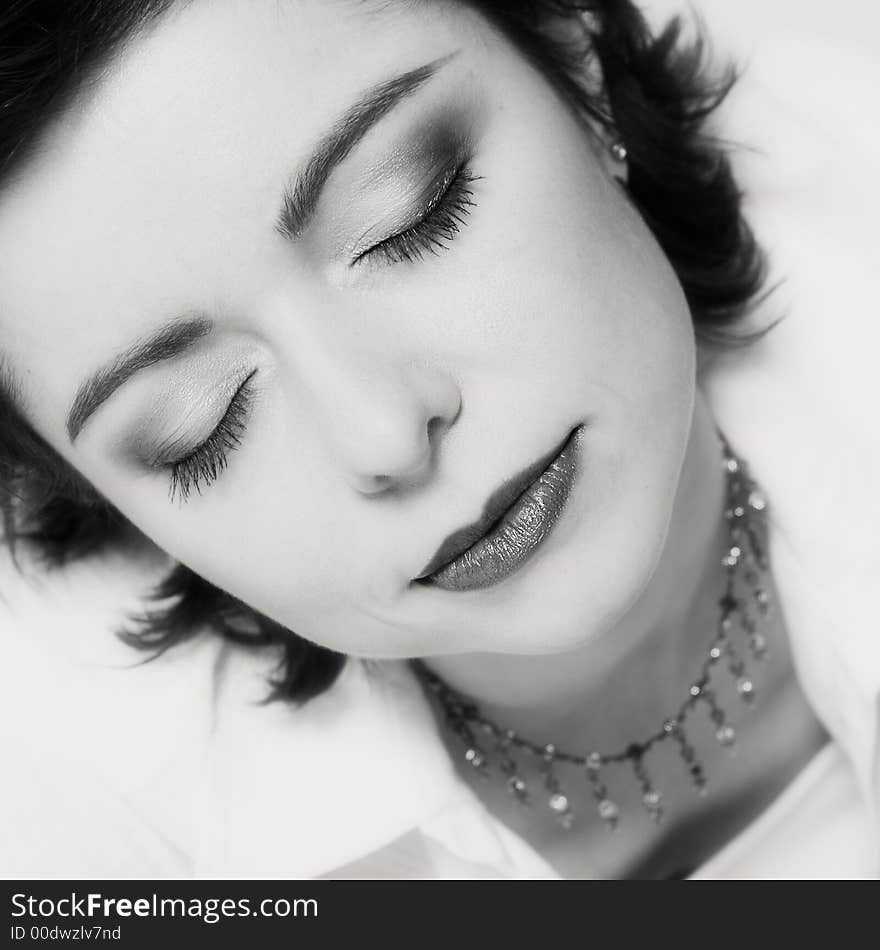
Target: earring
{"x": 618, "y": 151}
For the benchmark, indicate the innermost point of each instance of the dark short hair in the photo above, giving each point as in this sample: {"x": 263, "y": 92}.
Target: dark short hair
{"x": 660, "y": 89}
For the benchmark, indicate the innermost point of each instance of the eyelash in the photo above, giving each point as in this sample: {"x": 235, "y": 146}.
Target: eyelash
{"x": 444, "y": 217}
{"x": 205, "y": 464}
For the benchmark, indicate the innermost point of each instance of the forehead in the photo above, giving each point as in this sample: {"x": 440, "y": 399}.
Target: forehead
{"x": 173, "y": 164}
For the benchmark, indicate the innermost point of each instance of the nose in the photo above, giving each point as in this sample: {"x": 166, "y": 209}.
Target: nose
{"x": 383, "y": 418}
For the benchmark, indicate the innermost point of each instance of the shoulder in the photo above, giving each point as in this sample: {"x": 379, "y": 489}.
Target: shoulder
{"x": 183, "y": 750}
{"x": 300, "y": 791}
{"x": 102, "y": 743}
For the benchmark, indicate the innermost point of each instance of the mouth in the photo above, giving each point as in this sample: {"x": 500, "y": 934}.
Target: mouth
{"x": 516, "y": 520}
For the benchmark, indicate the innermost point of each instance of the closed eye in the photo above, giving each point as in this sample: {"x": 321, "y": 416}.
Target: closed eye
{"x": 202, "y": 466}
{"x": 443, "y": 218}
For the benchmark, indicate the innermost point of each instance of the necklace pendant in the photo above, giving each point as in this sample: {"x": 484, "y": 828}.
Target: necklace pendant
{"x": 756, "y": 640}
{"x": 560, "y": 806}
{"x": 605, "y": 807}
{"x": 726, "y": 735}
{"x": 652, "y": 800}
{"x": 724, "y": 731}
{"x": 558, "y": 801}
{"x": 518, "y": 788}
{"x": 688, "y": 754}
{"x": 516, "y": 784}
{"x": 609, "y": 813}
{"x": 746, "y": 689}
{"x": 475, "y": 758}
{"x": 758, "y": 645}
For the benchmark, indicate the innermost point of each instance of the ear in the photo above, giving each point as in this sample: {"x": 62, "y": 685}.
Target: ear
{"x": 609, "y": 148}
{"x": 613, "y": 157}
{"x": 574, "y": 31}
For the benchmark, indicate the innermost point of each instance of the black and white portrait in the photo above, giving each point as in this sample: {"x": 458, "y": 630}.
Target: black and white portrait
{"x": 438, "y": 439}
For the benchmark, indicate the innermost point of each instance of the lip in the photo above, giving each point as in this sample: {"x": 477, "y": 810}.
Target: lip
{"x": 516, "y": 519}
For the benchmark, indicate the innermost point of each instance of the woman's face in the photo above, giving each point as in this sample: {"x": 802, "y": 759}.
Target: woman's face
{"x": 396, "y": 370}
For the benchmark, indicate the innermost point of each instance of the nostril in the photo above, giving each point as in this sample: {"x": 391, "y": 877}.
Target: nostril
{"x": 407, "y": 472}
{"x": 435, "y": 427}
{"x": 374, "y": 484}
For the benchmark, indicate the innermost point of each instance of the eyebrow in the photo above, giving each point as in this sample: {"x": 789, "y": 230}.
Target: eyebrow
{"x": 303, "y": 189}
{"x": 299, "y": 200}
{"x": 168, "y": 341}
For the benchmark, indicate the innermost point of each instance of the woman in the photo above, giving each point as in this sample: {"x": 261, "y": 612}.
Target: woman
{"x": 404, "y": 331}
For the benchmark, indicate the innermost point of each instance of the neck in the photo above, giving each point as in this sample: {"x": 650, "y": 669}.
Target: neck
{"x": 574, "y": 699}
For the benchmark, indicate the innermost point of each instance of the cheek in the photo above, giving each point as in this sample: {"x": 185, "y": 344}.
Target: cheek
{"x": 275, "y": 530}
{"x": 562, "y": 285}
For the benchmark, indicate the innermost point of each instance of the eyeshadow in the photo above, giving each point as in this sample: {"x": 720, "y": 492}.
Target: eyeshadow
{"x": 391, "y": 187}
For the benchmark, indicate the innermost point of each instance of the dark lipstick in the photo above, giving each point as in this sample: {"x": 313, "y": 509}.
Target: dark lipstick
{"x": 516, "y": 519}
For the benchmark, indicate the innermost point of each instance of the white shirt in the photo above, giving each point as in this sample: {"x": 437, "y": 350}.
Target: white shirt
{"x": 170, "y": 769}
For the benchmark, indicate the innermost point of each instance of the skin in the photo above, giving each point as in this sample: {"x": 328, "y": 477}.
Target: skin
{"x": 390, "y": 399}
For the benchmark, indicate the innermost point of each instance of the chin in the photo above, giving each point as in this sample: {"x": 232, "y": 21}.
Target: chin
{"x": 582, "y": 606}
{"x": 572, "y": 596}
